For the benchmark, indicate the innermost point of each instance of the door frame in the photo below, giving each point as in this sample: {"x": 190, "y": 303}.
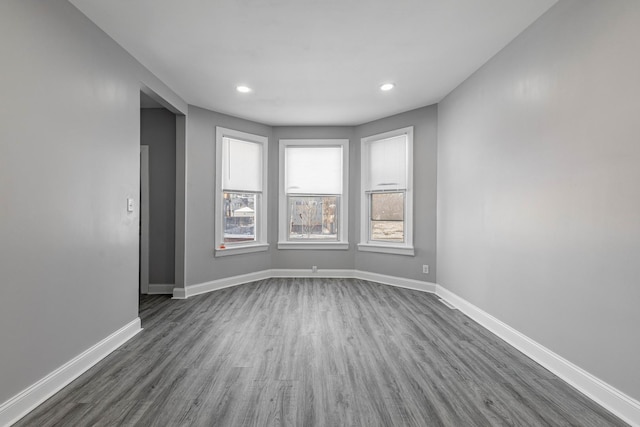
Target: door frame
{"x": 180, "y": 109}
{"x": 144, "y": 219}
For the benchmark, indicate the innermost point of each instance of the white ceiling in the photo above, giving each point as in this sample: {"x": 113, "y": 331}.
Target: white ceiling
{"x": 313, "y": 62}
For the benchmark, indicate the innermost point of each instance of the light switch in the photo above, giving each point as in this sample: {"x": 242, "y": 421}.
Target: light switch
{"x": 129, "y": 204}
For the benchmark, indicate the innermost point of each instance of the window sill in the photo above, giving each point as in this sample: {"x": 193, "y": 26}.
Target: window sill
{"x": 386, "y": 249}
{"x": 238, "y": 250}
{"x": 314, "y": 245}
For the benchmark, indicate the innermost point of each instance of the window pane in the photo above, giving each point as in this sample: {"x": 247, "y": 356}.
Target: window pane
{"x": 387, "y": 217}
{"x": 241, "y": 165}
{"x": 239, "y": 217}
{"x": 312, "y": 170}
{"x": 313, "y": 217}
{"x": 388, "y": 164}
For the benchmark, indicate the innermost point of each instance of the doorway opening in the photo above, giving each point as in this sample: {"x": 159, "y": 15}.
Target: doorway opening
{"x": 158, "y": 201}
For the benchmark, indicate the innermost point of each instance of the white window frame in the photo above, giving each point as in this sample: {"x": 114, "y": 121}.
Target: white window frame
{"x": 367, "y": 245}
{"x": 260, "y": 244}
{"x": 343, "y": 232}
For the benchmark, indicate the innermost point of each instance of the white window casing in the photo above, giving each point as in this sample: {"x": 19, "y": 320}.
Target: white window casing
{"x": 313, "y": 169}
{"x": 387, "y": 167}
{"x": 241, "y": 167}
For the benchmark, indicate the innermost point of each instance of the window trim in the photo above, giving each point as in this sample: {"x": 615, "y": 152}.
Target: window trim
{"x": 262, "y": 200}
{"x": 343, "y": 232}
{"x": 367, "y": 245}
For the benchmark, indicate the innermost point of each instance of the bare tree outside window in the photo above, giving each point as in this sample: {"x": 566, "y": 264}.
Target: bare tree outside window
{"x": 313, "y": 217}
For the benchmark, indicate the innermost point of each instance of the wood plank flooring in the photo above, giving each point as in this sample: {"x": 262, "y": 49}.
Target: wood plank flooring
{"x": 315, "y": 352}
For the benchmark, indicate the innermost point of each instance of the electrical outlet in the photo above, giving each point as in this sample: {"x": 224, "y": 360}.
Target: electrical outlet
{"x": 314, "y": 269}
{"x": 425, "y": 269}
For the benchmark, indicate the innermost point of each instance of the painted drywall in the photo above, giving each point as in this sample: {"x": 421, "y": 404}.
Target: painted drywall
{"x": 538, "y": 195}
{"x": 305, "y": 259}
{"x": 425, "y": 124}
{"x": 201, "y": 265}
{"x": 69, "y": 159}
{"x": 158, "y": 131}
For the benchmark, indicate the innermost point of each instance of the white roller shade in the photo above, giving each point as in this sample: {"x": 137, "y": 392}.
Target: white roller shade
{"x": 241, "y": 165}
{"x": 388, "y": 164}
{"x": 313, "y": 170}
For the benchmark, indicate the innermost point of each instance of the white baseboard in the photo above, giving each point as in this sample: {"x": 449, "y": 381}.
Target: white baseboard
{"x": 401, "y": 282}
{"x": 307, "y": 273}
{"x": 160, "y": 289}
{"x": 179, "y": 293}
{"x": 612, "y": 399}
{"x": 27, "y": 400}
{"x": 201, "y": 288}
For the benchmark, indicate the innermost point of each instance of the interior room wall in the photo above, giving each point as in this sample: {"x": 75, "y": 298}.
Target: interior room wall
{"x": 536, "y": 178}
{"x": 158, "y": 131}
{"x": 299, "y": 258}
{"x": 69, "y": 159}
{"x": 201, "y": 265}
{"x": 204, "y": 267}
{"x": 538, "y": 195}
{"x": 425, "y": 123}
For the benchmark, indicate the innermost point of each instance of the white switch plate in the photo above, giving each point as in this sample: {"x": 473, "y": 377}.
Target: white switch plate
{"x": 129, "y": 204}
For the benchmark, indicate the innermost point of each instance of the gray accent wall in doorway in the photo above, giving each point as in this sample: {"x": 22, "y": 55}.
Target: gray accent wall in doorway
{"x": 158, "y": 131}
{"x": 539, "y": 187}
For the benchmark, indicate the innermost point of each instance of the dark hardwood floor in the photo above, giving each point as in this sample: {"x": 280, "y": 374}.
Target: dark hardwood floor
{"x": 315, "y": 352}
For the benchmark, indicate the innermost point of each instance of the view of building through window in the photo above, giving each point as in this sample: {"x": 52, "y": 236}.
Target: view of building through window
{"x": 387, "y": 217}
{"x": 239, "y": 217}
{"x": 313, "y": 217}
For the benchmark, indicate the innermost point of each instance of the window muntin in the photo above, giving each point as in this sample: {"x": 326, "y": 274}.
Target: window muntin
{"x": 387, "y": 193}
{"x": 313, "y": 194}
{"x": 241, "y": 176}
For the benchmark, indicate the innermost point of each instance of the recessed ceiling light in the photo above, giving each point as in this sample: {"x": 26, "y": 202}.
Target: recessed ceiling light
{"x": 243, "y": 89}
{"x": 387, "y": 86}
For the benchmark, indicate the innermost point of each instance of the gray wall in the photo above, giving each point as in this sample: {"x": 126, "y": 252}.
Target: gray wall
{"x": 69, "y": 158}
{"x": 538, "y": 202}
{"x": 425, "y": 123}
{"x": 538, "y": 187}
{"x": 305, "y": 259}
{"x": 201, "y": 266}
{"x": 158, "y": 131}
